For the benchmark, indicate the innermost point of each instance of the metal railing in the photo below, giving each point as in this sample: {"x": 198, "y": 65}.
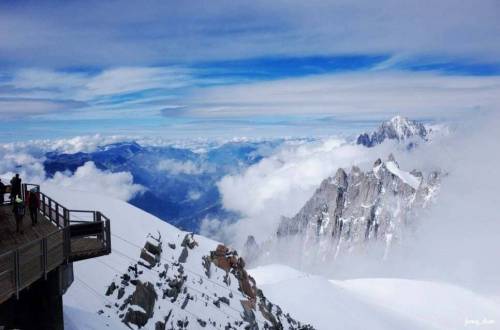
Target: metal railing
{"x": 27, "y": 263}
{"x": 80, "y": 234}
{"x": 89, "y": 231}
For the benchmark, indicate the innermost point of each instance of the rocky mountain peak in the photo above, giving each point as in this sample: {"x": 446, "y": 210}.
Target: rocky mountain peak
{"x": 341, "y": 178}
{"x": 398, "y": 128}
{"x": 371, "y": 205}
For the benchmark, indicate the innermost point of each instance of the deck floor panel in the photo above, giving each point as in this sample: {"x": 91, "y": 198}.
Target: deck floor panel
{"x": 9, "y": 239}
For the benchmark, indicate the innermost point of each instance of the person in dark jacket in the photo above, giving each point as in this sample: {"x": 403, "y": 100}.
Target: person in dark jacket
{"x": 15, "y": 189}
{"x": 19, "y": 210}
{"x": 2, "y": 192}
{"x": 33, "y": 205}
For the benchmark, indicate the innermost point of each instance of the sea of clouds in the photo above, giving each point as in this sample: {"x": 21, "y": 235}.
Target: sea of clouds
{"x": 26, "y": 158}
{"x": 281, "y": 184}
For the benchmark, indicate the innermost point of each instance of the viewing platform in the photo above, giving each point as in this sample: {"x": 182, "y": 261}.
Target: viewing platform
{"x": 60, "y": 237}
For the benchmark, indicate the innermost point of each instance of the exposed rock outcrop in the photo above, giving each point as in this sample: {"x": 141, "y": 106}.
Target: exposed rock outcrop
{"x": 188, "y": 289}
{"x": 351, "y": 208}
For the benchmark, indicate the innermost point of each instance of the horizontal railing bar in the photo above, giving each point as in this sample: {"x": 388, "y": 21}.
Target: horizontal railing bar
{"x": 6, "y": 253}
{"x": 81, "y": 211}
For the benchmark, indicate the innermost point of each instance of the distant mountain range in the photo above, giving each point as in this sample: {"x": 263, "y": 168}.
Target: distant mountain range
{"x": 181, "y": 183}
{"x": 398, "y": 128}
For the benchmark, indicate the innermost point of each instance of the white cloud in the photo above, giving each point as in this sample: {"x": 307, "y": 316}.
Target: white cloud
{"x": 178, "y": 167}
{"x": 458, "y": 238}
{"x": 27, "y": 160}
{"x": 365, "y": 95}
{"x": 84, "y": 143}
{"x": 194, "y": 195}
{"x": 88, "y": 86}
{"x": 132, "y": 79}
{"x": 81, "y": 143}
{"x": 90, "y": 179}
{"x": 19, "y": 107}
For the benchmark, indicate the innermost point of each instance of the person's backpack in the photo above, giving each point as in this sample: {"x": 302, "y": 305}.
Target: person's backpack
{"x": 20, "y": 209}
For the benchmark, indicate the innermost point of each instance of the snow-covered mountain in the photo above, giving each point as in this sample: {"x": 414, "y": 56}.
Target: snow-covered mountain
{"x": 158, "y": 277}
{"x": 351, "y": 209}
{"x": 93, "y": 302}
{"x": 398, "y": 128}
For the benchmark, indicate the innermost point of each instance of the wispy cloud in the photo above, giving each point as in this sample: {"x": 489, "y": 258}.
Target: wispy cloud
{"x": 28, "y": 92}
{"x": 374, "y": 94}
{"x": 175, "y": 63}
{"x": 11, "y": 108}
{"x": 96, "y": 33}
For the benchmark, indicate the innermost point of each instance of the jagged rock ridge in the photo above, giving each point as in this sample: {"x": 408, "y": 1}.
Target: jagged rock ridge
{"x": 351, "y": 208}
{"x": 398, "y": 128}
{"x": 161, "y": 291}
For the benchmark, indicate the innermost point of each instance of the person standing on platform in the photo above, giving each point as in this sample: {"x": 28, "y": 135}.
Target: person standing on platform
{"x": 2, "y": 192}
{"x": 15, "y": 189}
{"x": 33, "y": 205}
{"x": 19, "y": 210}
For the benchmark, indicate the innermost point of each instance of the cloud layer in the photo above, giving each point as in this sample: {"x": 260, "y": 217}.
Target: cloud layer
{"x": 90, "y": 179}
{"x": 281, "y": 184}
{"x": 128, "y": 33}
{"x": 27, "y": 160}
{"x": 366, "y": 95}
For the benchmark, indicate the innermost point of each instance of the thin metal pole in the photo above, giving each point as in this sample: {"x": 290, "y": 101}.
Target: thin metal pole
{"x": 16, "y": 272}
{"x": 44, "y": 257}
{"x": 57, "y": 213}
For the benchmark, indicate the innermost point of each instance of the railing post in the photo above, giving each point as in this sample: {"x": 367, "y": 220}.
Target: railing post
{"x": 42, "y": 203}
{"x": 16, "y": 272}
{"x": 44, "y": 257}
{"x": 66, "y": 217}
{"x": 98, "y": 218}
{"x": 50, "y": 209}
{"x": 57, "y": 213}
{"x": 108, "y": 236}
{"x": 67, "y": 242}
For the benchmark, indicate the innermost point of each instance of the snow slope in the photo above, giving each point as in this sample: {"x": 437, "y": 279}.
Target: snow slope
{"x": 206, "y": 297}
{"x": 407, "y": 178}
{"x": 375, "y": 304}
{"x": 383, "y": 304}
{"x": 438, "y": 305}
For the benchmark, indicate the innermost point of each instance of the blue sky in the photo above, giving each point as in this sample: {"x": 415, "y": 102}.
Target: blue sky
{"x": 252, "y": 68}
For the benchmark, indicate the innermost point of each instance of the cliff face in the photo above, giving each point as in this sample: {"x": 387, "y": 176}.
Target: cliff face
{"x": 353, "y": 207}
{"x": 162, "y": 291}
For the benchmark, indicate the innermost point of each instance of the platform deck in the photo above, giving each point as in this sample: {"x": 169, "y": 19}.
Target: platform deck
{"x": 9, "y": 239}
